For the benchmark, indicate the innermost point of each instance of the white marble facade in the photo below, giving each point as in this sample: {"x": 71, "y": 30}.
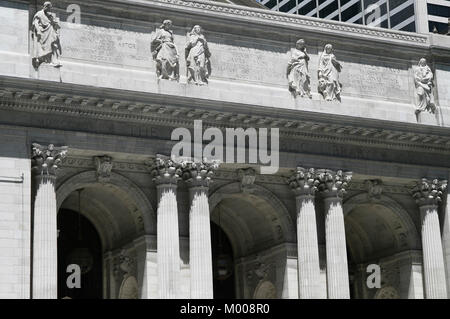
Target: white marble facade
{"x": 362, "y": 176}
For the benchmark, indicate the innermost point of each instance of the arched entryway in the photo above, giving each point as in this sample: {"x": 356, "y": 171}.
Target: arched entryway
{"x": 380, "y": 232}
{"x": 121, "y": 216}
{"x": 258, "y": 228}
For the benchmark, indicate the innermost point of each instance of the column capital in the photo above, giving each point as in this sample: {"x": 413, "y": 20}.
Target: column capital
{"x": 428, "y": 192}
{"x": 304, "y": 181}
{"x": 198, "y": 173}
{"x": 165, "y": 171}
{"x": 333, "y": 184}
{"x": 45, "y": 160}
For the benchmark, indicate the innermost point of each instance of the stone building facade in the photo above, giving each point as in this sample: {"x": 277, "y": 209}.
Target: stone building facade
{"x": 361, "y": 179}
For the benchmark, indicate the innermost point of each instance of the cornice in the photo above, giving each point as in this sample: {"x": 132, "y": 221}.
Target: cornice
{"x": 277, "y": 18}
{"x": 292, "y": 123}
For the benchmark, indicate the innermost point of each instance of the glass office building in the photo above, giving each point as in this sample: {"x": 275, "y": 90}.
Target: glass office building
{"x": 405, "y": 15}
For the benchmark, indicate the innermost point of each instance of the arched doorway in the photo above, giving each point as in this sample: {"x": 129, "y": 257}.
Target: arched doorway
{"x": 259, "y": 230}
{"x": 122, "y": 216}
{"x": 79, "y": 244}
{"x": 380, "y": 232}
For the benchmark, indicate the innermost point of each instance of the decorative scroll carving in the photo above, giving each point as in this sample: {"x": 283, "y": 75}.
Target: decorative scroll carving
{"x": 197, "y": 57}
{"x": 103, "y": 165}
{"x": 165, "y": 53}
{"x": 165, "y": 170}
{"x": 333, "y": 184}
{"x": 304, "y": 181}
{"x": 423, "y": 79}
{"x": 429, "y": 192}
{"x": 374, "y": 188}
{"x": 297, "y": 71}
{"x": 46, "y": 159}
{"x": 45, "y": 35}
{"x": 198, "y": 173}
{"x": 247, "y": 177}
{"x": 328, "y": 74}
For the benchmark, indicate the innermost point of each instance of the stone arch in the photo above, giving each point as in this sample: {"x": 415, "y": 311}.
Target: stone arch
{"x": 404, "y": 232}
{"x": 135, "y": 197}
{"x": 278, "y": 218}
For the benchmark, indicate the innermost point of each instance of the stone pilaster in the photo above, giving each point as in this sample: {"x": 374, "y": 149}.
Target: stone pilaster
{"x": 45, "y": 161}
{"x": 304, "y": 185}
{"x": 332, "y": 186}
{"x": 428, "y": 194}
{"x": 198, "y": 177}
{"x": 166, "y": 174}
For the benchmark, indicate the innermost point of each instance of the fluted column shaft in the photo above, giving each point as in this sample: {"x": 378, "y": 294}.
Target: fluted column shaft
{"x": 45, "y": 237}
{"x": 200, "y": 255}
{"x": 45, "y": 161}
{"x": 433, "y": 257}
{"x": 336, "y": 250}
{"x": 304, "y": 186}
{"x": 428, "y": 195}
{"x": 198, "y": 176}
{"x": 333, "y": 186}
{"x": 166, "y": 175}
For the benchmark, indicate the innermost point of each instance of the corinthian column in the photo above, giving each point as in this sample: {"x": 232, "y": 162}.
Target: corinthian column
{"x": 166, "y": 174}
{"x": 428, "y": 194}
{"x": 332, "y": 186}
{"x": 45, "y": 161}
{"x": 198, "y": 176}
{"x": 304, "y": 185}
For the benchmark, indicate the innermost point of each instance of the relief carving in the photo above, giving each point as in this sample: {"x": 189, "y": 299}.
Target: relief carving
{"x": 297, "y": 71}
{"x": 197, "y": 57}
{"x": 328, "y": 73}
{"x": 45, "y": 36}
{"x": 103, "y": 165}
{"x": 165, "y": 53}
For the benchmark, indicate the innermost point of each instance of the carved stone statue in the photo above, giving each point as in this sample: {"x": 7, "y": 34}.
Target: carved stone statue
{"x": 165, "y": 53}
{"x": 423, "y": 79}
{"x": 328, "y": 75}
{"x": 297, "y": 71}
{"x": 197, "y": 57}
{"x": 45, "y": 36}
